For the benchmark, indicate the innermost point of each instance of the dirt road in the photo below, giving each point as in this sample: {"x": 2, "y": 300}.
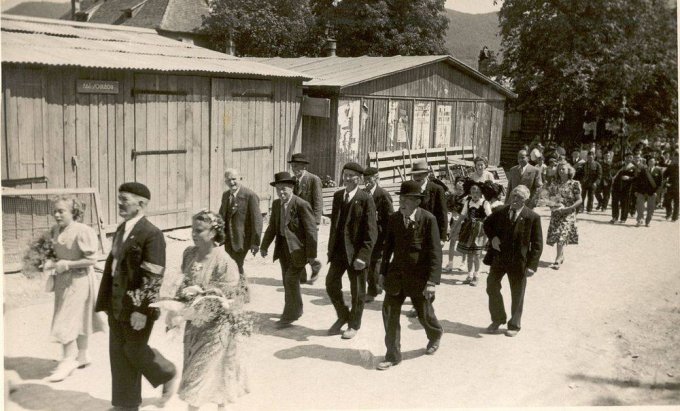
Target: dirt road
{"x": 603, "y": 330}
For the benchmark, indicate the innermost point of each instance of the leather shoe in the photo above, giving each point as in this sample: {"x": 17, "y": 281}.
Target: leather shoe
{"x": 64, "y": 369}
{"x": 432, "y": 346}
{"x": 493, "y": 328}
{"x": 385, "y": 365}
{"x": 349, "y": 334}
{"x": 284, "y": 323}
{"x": 412, "y": 314}
{"x": 511, "y": 333}
{"x": 336, "y": 328}
{"x": 313, "y": 278}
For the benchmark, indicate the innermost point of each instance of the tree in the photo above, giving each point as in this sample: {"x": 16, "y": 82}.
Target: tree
{"x": 264, "y": 28}
{"x": 580, "y": 56}
{"x": 390, "y": 27}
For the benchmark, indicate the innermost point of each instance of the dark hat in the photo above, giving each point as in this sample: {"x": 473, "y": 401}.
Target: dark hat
{"x": 354, "y": 167}
{"x": 420, "y": 167}
{"x": 136, "y": 188}
{"x": 370, "y": 171}
{"x": 298, "y": 158}
{"x": 283, "y": 177}
{"x": 410, "y": 188}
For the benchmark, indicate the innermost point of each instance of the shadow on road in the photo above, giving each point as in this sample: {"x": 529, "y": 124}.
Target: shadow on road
{"x": 265, "y": 281}
{"x": 43, "y": 397}
{"x": 451, "y": 327}
{"x": 635, "y": 383}
{"x": 358, "y": 358}
{"x": 30, "y": 368}
{"x": 265, "y": 325}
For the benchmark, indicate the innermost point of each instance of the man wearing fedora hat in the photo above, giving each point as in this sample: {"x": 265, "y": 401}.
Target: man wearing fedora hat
{"x": 384, "y": 208}
{"x": 308, "y": 187}
{"x": 292, "y": 226}
{"x": 353, "y": 234}
{"x": 434, "y": 196}
{"x": 133, "y": 271}
{"x": 413, "y": 240}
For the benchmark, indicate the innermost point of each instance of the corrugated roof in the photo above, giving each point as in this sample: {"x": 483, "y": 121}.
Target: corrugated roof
{"x": 347, "y": 71}
{"x": 32, "y": 40}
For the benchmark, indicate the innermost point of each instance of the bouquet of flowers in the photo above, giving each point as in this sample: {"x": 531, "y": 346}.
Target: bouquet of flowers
{"x": 550, "y": 198}
{"x": 40, "y": 251}
{"x": 147, "y": 293}
{"x": 207, "y": 307}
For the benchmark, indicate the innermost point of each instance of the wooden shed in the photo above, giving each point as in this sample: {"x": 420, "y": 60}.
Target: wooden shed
{"x": 92, "y": 105}
{"x": 357, "y": 105}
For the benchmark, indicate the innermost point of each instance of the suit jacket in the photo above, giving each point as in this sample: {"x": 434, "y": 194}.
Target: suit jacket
{"x": 417, "y": 254}
{"x": 242, "y": 221}
{"x": 308, "y": 188}
{"x": 591, "y": 175}
{"x": 140, "y": 266}
{"x": 360, "y": 231}
{"x": 383, "y": 208}
{"x": 531, "y": 178}
{"x": 435, "y": 202}
{"x": 300, "y": 235}
{"x": 521, "y": 240}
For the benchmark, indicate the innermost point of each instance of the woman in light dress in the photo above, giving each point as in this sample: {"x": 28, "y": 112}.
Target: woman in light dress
{"x": 76, "y": 247}
{"x": 565, "y": 194}
{"x": 213, "y": 370}
{"x": 481, "y": 174}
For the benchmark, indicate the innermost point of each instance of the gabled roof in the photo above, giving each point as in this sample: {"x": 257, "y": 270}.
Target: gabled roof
{"x": 177, "y": 16}
{"x": 30, "y": 40}
{"x": 341, "y": 72}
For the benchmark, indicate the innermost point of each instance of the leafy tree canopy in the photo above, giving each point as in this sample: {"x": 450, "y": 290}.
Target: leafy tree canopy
{"x": 581, "y": 55}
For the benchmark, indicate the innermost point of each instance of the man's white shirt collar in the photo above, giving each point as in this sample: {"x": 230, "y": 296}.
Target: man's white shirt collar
{"x": 130, "y": 224}
{"x": 351, "y": 193}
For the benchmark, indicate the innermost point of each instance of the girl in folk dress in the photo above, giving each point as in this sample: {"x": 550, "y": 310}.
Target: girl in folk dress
{"x": 454, "y": 203}
{"x": 76, "y": 246}
{"x": 213, "y": 370}
{"x": 565, "y": 199}
{"x": 472, "y": 239}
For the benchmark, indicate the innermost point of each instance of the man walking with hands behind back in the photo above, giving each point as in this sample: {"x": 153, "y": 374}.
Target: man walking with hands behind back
{"x": 515, "y": 233}
{"x": 240, "y": 210}
{"x": 413, "y": 238}
{"x": 134, "y": 270}
{"x": 353, "y": 235}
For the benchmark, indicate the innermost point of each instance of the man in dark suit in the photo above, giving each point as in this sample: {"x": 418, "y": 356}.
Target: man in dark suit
{"x": 527, "y": 175}
{"x": 240, "y": 210}
{"x": 434, "y": 196}
{"x": 413, "y": 238}
{"x": 308, "y": 187}
{"x": 515, "y": 233}
{"x": 132, "y": 277}
{"x": 384, "y": 208}
{"x": 353, "y": 234}
{"x": 292, "y": 225}
{"x": 592, "y": 175}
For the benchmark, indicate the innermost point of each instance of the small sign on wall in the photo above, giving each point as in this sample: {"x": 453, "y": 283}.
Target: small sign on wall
{"x": 97, "y": 87}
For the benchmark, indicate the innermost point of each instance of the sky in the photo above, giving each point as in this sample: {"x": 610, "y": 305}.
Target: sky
{"x": 473, "y": 6}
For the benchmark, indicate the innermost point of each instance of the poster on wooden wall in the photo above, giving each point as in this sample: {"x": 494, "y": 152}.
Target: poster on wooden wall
{"x": 398, "y": 124}
{"x": 349, "y": 116}
{"x": 443, "y": 136}
{"x": 422, "y": 119}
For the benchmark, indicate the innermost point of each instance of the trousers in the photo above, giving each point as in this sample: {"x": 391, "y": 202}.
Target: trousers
{"x": 518, "y": 283}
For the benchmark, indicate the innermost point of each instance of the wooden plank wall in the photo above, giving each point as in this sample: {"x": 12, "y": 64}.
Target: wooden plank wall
{"x": 288, "y": 126}
{"x": 319, "y": 141}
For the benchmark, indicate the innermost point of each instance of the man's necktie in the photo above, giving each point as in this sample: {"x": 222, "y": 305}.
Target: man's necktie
{"x": 346, "y": 197}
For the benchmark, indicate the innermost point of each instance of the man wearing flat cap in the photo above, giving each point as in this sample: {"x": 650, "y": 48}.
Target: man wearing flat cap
{"x": 292, "y": 226}
{"x": 411, "y": 267}
{"x": 384, "y": 208}
{"x": 308, "y": 187}
{"x": 353, "y": 234}
{"x": 132, "y": 277}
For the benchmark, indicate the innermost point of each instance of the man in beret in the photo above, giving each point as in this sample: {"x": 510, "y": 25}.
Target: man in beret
{"x": 240, "y": 210}
{"x": 413, "y": 239}
{"x": 384, "y": 208}
{"x": 292, "y": 225}
{"x": 132, "y": 277}
{"x": 353, "y": 234}
{"x": 308, "y": 187}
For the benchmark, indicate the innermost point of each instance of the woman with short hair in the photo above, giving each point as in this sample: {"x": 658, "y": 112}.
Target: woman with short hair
{"x": 565, "y": 199}
{"x": 76, "y": 247}
{"x": 481, "y": 174}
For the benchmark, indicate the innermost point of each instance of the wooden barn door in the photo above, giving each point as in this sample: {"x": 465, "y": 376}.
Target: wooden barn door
{"x": 243, "y": 136}
{"x": 171, "y": 153}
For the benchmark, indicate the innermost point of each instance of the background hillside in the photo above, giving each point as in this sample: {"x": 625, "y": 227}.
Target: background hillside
{"x": 468, "y": 33}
